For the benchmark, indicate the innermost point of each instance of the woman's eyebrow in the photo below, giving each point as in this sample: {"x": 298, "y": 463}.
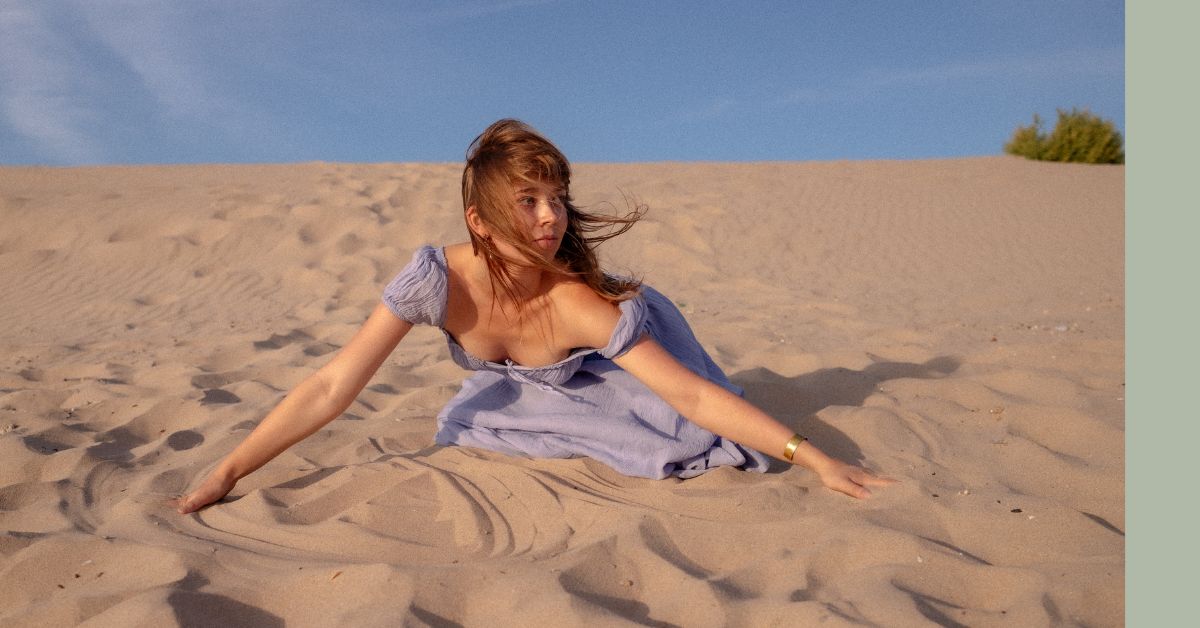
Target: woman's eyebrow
{"x": 531, "y": 190}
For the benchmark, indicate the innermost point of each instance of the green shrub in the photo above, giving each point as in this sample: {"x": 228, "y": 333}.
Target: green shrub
{"x": 1027, "y": 141}
{"x": 1079, "y": 136}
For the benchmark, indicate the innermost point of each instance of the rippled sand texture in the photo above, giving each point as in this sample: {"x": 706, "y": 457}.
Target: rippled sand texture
{"x": 957, "y": 324}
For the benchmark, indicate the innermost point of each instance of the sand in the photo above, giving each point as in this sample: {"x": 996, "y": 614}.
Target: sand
{"x": 956, "y": 324}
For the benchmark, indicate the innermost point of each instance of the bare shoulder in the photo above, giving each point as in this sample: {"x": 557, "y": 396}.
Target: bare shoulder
{"x": 455, "y": 253}
{"x": 590, "y": 319}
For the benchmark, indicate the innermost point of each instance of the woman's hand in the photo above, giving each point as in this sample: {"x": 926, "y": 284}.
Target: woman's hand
{"x": 215, "y": 486}
{"x": 849, "y": 479}
{"x": 312, "y": 404}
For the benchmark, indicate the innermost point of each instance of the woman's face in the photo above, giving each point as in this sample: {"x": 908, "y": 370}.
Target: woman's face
{"x": 542, "y": 212}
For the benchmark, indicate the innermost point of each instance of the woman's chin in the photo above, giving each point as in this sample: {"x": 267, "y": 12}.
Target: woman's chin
{"x": 547, "y": 247}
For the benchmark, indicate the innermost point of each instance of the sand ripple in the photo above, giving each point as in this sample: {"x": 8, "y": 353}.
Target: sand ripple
{"x": 957, "y": 324}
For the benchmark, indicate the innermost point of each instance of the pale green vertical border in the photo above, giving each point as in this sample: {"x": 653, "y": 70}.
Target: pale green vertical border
{"x": 1162, "y": 279}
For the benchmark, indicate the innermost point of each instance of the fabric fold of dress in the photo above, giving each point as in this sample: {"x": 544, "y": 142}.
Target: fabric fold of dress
{"x": 583, "y": 405}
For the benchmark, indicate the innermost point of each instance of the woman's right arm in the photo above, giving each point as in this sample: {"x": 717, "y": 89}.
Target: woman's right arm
{"x": 316, "y": 401}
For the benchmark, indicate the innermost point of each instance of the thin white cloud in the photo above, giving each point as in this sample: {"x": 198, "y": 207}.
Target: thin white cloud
{"x": 714, "y": 108}
{"x": 1065, "y": 64}
{"x": 60, "y": 63}
{"x": 451, "y": 11}
{"x": 39, "y": 74}
{"x": 152, "y": 39}
{"x": 1107, "y": 62}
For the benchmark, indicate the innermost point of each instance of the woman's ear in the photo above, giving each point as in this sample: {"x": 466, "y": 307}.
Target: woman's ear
{"x": 475, "y": 223}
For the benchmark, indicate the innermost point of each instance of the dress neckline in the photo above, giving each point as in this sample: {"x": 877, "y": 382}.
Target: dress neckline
{"x": 508, "y": 363}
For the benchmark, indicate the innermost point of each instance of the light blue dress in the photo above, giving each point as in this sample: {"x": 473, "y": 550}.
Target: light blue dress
{"x": 584, "y": 405}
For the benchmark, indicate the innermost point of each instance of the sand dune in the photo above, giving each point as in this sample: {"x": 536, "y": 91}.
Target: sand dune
{"x": 957, "y": 324}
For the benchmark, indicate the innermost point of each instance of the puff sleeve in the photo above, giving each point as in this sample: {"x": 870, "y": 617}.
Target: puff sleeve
{"x": 418, "y": 293}
{"x": 630, "y": 327}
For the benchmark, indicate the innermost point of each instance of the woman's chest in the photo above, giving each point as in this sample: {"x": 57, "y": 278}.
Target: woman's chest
{"x": 529, "y": 338}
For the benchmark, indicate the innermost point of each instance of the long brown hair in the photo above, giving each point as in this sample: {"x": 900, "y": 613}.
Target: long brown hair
{"x": 507, "y": 153}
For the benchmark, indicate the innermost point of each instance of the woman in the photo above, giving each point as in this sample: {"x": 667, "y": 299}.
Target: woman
{"x": 570, "y": 361}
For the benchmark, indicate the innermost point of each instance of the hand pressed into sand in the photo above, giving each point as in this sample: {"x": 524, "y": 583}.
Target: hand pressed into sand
{"x": 849, "y": 479}
{"x": 214, "y": 487}
{"x": 311, "y": 405}
{"x": 726, "y": 414}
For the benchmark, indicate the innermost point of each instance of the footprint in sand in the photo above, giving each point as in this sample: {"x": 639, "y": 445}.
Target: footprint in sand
{"x": 277, "y": 341}
{"x": 319, "y": 349}
{"x": 218, "y": 396}
{"x": 184, "y": 439}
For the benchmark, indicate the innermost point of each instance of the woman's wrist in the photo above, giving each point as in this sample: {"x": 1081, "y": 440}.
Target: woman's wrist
{"x": 789, "y": 450}
{"x": 809, "y": 456}
{"x": 228, "y": 471}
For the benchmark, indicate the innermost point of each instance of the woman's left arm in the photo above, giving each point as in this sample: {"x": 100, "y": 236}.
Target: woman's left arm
{"x": 726, "y": 414}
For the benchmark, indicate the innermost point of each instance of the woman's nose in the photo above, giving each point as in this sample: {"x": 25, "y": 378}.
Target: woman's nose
{"x": 547, "y": 212}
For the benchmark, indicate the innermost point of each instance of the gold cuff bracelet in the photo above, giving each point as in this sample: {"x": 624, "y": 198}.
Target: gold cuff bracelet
{"x": 789, "y": 450}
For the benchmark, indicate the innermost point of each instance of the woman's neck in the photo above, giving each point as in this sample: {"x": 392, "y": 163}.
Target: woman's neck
{"x": 528, "y": 282}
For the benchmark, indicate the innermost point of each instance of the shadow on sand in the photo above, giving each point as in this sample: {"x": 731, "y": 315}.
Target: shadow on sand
{"x": 796, "y": 400}
{"x": 194, "y": 608}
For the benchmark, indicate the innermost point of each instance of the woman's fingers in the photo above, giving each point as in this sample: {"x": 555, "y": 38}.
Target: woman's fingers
{"x": 844, "y": 483}
{"x": 874, "y": 480}
{"x": 853, "y": 481}
{"x": 858, "y": 491}
{"x": 212, "y": 490}
{"x": 189, "y": 504}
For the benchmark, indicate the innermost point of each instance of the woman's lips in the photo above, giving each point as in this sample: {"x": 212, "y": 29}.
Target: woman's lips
{"x": 546, "y": 242}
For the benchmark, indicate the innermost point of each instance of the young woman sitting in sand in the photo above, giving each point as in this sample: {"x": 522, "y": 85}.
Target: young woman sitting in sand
{"x": 569, "y": 361}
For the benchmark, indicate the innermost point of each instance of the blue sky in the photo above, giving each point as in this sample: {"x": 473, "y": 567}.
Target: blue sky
{"x": 145, "y": 81}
